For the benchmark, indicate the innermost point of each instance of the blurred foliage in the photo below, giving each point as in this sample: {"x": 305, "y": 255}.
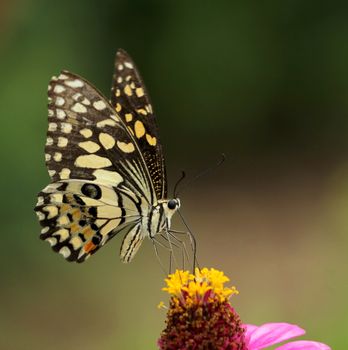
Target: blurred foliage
{"x": 265, "y": 82}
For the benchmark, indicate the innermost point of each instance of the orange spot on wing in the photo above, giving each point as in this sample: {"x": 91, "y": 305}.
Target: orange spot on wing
{"x": 89, "y": 247}
{"x": 88, "y": 232}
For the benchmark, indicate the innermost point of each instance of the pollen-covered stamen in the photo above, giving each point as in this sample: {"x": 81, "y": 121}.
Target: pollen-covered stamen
{"x": 202, "y": 286}
{"x": 200, "y": 315}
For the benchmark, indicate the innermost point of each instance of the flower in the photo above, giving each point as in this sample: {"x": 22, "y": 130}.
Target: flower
{"x": 201, "y": 317}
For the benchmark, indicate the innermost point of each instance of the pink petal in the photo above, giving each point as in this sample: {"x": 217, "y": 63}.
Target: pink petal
{"x": 249, "y": 329}
{"x": 272, "y": 333}
{"x": 304, "y": 345}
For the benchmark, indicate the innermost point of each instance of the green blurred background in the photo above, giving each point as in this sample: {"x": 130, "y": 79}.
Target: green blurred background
{"x": 264, "y": 82}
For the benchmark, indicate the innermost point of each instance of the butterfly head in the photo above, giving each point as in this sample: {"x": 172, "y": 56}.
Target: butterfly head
{"x": 173, "y": 204}
{"x": 170, "y": 206}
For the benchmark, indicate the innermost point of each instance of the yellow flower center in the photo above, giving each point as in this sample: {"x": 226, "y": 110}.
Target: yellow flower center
{"x": 203, "y": 284}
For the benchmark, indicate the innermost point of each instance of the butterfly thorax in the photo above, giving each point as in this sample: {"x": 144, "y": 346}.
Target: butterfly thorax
{"x": 154, "y": 221}
{"x": 160, "y": 215}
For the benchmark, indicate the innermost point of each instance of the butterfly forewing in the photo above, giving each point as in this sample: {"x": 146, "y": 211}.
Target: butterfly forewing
{"x": 132, "y": 103}
{"x": 100, "y": 179}
{"x": 85, "y": 139}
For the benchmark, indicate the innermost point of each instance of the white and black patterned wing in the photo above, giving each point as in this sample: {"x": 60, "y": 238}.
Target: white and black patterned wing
{"x": 132, "y": 103}
{"x": 78, "y": 217}
{"x": 89, "y": 154}
{"x": 86, "y": 139}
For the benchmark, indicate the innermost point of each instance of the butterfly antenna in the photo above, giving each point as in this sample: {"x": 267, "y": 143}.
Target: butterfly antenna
{"x": 204, "y": 172}
{"x": 183, "y": 175}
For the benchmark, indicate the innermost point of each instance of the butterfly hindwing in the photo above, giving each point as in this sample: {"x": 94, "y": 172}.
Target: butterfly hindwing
{"x": 79, "y": 217}
{"x": 132, "y": 103}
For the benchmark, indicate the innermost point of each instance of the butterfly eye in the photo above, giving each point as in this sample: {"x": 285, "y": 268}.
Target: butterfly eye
{"x": 172, "y": 204}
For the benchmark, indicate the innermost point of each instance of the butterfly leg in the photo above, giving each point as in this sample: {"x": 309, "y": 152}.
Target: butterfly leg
{"x": 154, "y": 242}
{"x": 179, "y": 245}
{"x": 165, "y": 235}
{"x": 192, "y": 243}
{"x": 182, "y": 246}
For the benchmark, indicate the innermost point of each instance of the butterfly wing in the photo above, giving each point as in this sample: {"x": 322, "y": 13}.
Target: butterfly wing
{"x": 89, "y": 145}
{"x": 78, "y": 217}
{"x": 132, "y": 103}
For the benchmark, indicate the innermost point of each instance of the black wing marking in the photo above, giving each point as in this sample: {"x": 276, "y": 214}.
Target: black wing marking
{"x": 132, "y": 103}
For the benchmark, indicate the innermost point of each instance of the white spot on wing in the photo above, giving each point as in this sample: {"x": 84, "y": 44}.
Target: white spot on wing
{"x": 77, "y": 83}
{"x": 92, "y": 161}
{"x": 125, "y": 147}
{"x": 139, "y": 92}
{"x": 40, "y": 200}
{"x": 108, "y": 177}
{"x": 86, "y": 133}
{"x": 57, "y": 156}
{"x": 77, "y": 96}
{"x": 52, "y": 211}
{"x": 64, "y": 174}
{"x": 40, "y": 216}
{"x": 76, "y": 242}
{"x": 106, "y": 140}
{"x": 63, "y": 234}
{"x": 60, "y": 101}
{"x": 99, "y": 105}
{"x": 58, "y": 89}
{"x": 51, "y": 240}
{"x": 79, "y": 108}
{"x": 104, "y": 122}
{"x": 66, "y": 128}
{"x": 86, "y": 101}
{"x": 56, "y": 198}
{"x": 65, "y": 251}
{"x": 62, "y": 141}
{"x": 45, "y": 230}
{"x": 60, "y": 113}
{"x": 128, "y": 65}
{"x": 52, "y": 127}
{"x": 89, "y": 146}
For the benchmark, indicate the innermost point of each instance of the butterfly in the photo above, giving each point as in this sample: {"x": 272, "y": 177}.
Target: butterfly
{"x": 106, "y": 164}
